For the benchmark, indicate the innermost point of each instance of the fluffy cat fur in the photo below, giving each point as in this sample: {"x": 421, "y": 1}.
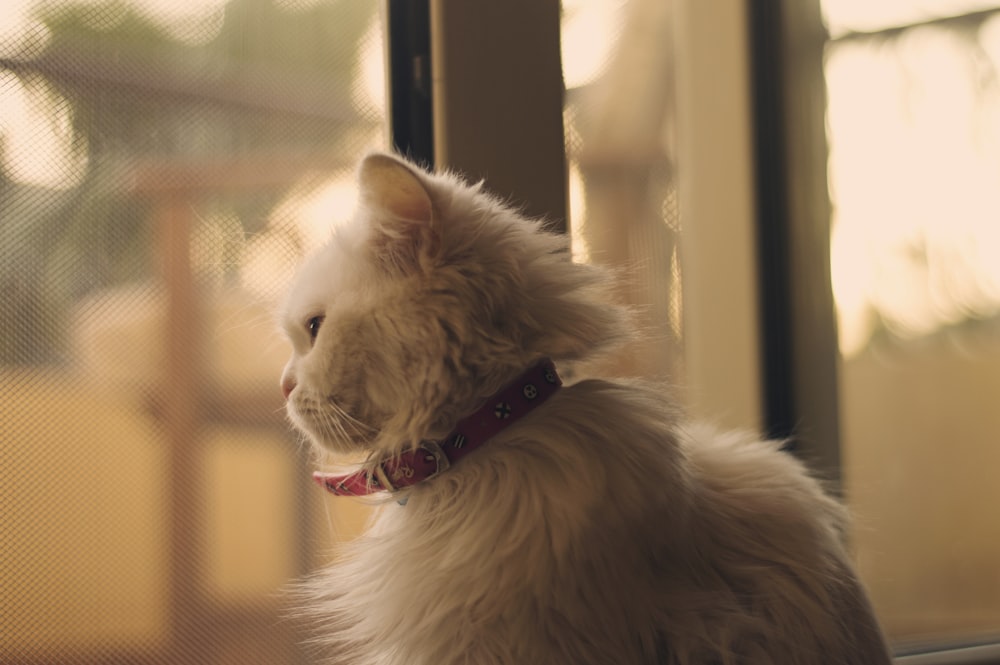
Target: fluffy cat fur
{"x": 600, "y": 528}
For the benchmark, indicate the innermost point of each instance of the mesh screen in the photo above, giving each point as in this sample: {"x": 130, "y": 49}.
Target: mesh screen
{"x": 162, "y": 167}
{"x": 618, "y": 64}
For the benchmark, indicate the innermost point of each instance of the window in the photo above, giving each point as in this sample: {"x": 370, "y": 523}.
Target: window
{"x": 913, "y": 120}
{"x": 162, "y": 167}
{"x": 896, "y": 103}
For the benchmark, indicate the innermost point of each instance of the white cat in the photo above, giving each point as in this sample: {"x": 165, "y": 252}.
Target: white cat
{"x": 541, "y": 524}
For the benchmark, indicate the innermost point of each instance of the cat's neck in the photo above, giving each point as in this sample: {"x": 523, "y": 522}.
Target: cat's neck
{"x": 430, "y": 458}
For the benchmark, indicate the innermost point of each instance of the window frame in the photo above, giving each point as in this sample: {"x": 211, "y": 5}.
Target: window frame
{"x": 799, "y": 347}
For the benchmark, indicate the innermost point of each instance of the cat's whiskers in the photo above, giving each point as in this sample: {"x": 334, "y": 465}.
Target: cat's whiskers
{"x": 334, "y": 427}
{"x": 333, "y": 423}
{"x": 342, "y": 414}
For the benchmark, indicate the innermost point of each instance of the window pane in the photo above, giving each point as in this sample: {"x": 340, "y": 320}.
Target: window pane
{"x": 622, "y": 177}
{"x": 914, "y": 128}
{"x": 162, "y": 167}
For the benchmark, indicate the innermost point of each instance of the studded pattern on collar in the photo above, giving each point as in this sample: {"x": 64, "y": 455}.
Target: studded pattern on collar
{"x": 433, "y": 457}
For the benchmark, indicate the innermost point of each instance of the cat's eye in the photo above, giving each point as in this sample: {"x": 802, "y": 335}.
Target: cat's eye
{"x": 312, "y": 326}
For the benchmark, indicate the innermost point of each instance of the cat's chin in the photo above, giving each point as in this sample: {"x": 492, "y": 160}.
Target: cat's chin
{"x": 327, "y": 423}
{"x": 324, "y": 444}
{"x": 339, "y": 448}
{"x": 327, "y": 443}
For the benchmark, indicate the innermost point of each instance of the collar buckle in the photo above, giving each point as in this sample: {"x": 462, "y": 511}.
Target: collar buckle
{"x": 428, "y": 455}
{"x": 433, "y": 449}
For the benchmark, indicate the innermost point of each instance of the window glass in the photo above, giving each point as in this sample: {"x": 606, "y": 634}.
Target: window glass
{"x": 914, "y": 131}
{"x": 162, "y": 167}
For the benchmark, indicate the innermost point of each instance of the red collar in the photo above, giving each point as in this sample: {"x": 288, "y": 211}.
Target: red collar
{"x": 432, "y": 457}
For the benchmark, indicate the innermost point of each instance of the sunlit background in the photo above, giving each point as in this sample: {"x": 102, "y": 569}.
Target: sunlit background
{"x": 164, "y": 165}
{"x": 913, "y": 123}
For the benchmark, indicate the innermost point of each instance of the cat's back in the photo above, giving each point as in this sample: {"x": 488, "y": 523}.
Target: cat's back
{"x": 744, "y": 549}
{"x": 601, "y": 529}
{"x": 638, "y": 427}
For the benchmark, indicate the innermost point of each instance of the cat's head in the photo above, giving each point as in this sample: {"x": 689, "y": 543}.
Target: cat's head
{"x": 432, "y": 298}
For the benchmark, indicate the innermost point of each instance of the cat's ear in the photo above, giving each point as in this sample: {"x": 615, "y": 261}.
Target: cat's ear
{"x": 404, "y": 230}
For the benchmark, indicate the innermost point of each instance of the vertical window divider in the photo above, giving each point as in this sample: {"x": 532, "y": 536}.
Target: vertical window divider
{"x": 799, "y": 348}
{"x": 497, "y": 84}
{"x": 408, "y": 54}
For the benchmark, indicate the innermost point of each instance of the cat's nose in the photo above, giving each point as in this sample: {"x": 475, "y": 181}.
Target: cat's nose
{"x": 287, "y": 385}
